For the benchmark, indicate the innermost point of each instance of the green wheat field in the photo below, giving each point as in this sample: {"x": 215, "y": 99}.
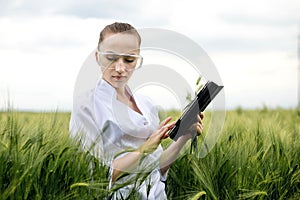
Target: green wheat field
{"x": 256, "y": 157}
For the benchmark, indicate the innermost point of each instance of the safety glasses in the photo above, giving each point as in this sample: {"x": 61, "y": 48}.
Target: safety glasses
{"x": 130, "y": 61}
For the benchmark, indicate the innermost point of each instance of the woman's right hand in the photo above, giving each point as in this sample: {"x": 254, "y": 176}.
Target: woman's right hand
{"x": 130, "y": 161}
{"x": 154, "y": 140}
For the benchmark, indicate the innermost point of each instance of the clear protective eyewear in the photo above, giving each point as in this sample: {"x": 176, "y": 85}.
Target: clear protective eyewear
{"x": 131, "y": 61}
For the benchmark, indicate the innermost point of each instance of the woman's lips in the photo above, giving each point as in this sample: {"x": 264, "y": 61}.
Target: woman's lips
{"x": 117, "y": 77}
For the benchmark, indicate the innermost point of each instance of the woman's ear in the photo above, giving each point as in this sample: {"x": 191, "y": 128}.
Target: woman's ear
{"x": 97, "y": 56}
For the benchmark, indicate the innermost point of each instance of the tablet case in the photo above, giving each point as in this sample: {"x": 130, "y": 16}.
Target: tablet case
{"x": 189, "y": 116}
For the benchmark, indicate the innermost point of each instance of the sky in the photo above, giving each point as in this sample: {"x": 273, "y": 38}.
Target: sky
{"x": 253, "y": 45}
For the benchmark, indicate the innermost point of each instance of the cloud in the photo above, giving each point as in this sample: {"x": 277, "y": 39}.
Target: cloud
{"x": 252, "y": 43}
{"x": 265, "y": 20}
{"x": 27, "y": 8}
{"x": 238, "y": 43}
{"x": 141, "y": 13}
{"x": 279, "y": 13}
{"x": 101, "y": 9}
{"x": 80, "y": 8}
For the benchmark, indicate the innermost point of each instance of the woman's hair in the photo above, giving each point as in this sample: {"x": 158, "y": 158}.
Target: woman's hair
{"x": 118, "y": 27}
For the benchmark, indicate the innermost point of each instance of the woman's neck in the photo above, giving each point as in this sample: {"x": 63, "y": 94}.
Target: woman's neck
{"x": 122, "y": 94}
{"x": 125, "y": 97}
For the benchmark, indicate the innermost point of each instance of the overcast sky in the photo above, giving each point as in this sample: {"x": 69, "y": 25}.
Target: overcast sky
{"x": 253, "y": 45}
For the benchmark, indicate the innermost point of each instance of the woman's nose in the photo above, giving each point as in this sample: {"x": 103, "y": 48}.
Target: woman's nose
{"x": 120, "y": 66}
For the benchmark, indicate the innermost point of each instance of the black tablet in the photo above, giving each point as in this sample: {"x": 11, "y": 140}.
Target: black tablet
{"x": 208, "y": 92}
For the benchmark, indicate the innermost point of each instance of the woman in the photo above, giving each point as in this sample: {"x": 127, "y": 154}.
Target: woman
{"x": 123, "y": 128}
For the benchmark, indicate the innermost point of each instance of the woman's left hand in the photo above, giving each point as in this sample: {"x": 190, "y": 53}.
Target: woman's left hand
{"x": 197, "y": 126}
{"x": 200, "y": 117}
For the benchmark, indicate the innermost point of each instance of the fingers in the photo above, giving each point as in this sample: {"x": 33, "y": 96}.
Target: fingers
{"x": 170, "y": 125}
{"x": 199, "y": 128}
{"x": 199, "y": 119}
{"x": 199, "y": 124}
{"x": 155, "y": 139}
{"x": 166, "y": 128}
{"x": 164, "y": 122}
{"x": 160, "y": 131}
{"x": 201, "y": 114}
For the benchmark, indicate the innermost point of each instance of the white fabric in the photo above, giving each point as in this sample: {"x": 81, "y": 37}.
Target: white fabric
{"x": 106, "y": 127}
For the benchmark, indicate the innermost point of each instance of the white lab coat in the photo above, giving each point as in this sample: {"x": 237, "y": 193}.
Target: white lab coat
{"x": 108, "y": 128}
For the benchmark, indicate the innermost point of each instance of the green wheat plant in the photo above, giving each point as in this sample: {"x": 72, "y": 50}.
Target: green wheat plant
{"x": 257, "y": 156}
{"x": 39, "y": 161}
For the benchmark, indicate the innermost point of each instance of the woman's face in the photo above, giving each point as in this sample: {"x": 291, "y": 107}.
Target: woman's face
{"x": 118, "y": 56}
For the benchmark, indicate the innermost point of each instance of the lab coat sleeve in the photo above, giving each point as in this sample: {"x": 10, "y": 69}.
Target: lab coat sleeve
{"x": 83, "y": 127}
